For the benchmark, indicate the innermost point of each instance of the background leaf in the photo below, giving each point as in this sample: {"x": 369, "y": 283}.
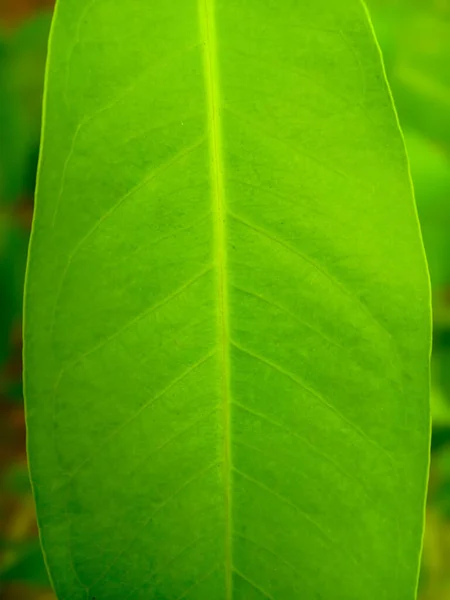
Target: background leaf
{"x": 430, "y": 169}
{"x": 27, "y": 567}
{"x": 12, "y": 146}
{"x": 415, "y": 37}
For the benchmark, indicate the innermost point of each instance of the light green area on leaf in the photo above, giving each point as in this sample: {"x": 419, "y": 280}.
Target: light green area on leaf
{"x": 227, "y": 326}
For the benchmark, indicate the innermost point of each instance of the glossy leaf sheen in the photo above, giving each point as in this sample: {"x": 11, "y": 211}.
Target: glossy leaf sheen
{"x": 227, "y": 323}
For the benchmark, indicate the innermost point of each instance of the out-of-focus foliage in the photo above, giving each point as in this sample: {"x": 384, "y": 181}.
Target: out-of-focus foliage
{"x": 22, "y": 61}
{"x": 430, "y": 168}
{"x": 12, "y": 144}
{"x": 415, "y": 39}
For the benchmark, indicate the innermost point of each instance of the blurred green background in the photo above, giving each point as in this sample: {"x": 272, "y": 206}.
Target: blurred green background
{"x": 415, "y": 39}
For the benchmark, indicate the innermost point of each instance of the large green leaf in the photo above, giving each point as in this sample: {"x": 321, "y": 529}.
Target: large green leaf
{"x": 227, "y": 326}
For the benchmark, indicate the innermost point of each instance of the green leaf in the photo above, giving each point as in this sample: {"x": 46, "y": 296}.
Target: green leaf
{"x": 387, "y": 21}
{"x": 227, "y": 322}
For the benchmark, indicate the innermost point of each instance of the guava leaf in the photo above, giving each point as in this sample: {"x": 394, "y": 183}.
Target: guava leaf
{"x": 227, "y": 323}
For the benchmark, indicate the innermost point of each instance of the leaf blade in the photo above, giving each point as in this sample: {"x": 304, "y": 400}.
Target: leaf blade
{"x": 140, "y": 338}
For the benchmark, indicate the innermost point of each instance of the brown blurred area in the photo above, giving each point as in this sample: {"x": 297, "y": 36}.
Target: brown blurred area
{"x": 12, "y": 12}
{"x": 19, "y": 550}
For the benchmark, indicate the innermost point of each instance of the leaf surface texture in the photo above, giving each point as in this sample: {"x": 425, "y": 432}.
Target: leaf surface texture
{"x": 227, "y": 327}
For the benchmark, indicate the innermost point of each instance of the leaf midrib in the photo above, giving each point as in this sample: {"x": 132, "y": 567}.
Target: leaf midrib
{"x": 207, "y": 21}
